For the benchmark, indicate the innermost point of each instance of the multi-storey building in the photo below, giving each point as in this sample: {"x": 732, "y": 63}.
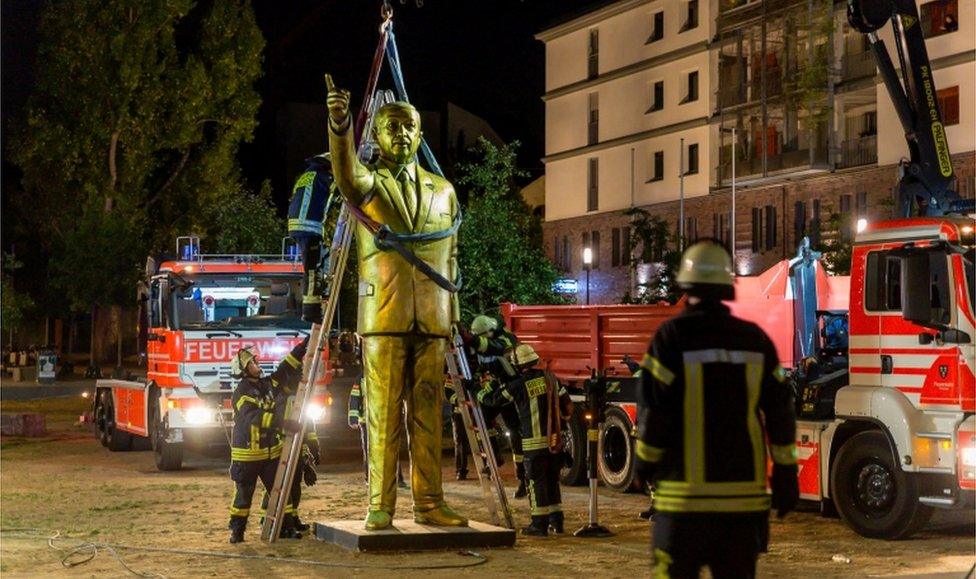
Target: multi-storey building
{"x": 642, "y": 96}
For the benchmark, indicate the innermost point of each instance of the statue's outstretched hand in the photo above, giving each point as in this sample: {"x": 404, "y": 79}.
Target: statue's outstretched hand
{"x": 337, "y": 101}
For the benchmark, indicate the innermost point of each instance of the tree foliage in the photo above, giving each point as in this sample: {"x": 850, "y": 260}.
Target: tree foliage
{"x": 13, "y": 304}
{"x": 653, "y": 251}
{"x": 837, "y": 244}
{"x": 131, "y": 133}
{"x": 498, "y": 260}
{"x": 245, "y": 223}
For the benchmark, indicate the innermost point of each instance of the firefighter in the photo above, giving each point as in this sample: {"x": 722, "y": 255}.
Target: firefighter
{"x": 307, "y": 210}
{"x": 541, "y": 406}
{"x": 711, "y": 393}
{"x": 634, "y": 368}
{"x": 462, "y": 448}
{"x": 310, "y": 458}
{"x": 356, "y": 415}
{"x": 255, "y": 443}
{"x": 490, "y": 345}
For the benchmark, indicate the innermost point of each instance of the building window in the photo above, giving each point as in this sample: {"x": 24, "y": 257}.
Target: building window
{"x": 756, "y": 229}
{"x": 657, "y": 97}
{"x": 557, "y": 254}
{"x": 799, "y": 220}
{"x": 815, "y": 223}
{"x": 949, "y": 105}
{"x": 692, "y": 94}
{"x": 845, "y": 205}
{"x": 657, "y": 27}
{"x": 691, "y": 229}
{"x": 615, "y": 247}
{"x": 593, "y": 55}
{"x": 594, "y": 119}
{"x": 593, "y": 185}
{"x": 691, "y": 18}
{"x": 657, "y": 168}
{"x": 595, "y": 246}
{"x": 692, "y": 159}
{"x": 770, "y": 227}
{"x": 939, "y": 17}
{"x": 567, "y": 256}
{"x": 861, "y": 204}
{"x": 720, "y": 227}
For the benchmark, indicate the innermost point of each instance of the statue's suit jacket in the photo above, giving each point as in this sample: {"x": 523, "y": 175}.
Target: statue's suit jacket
{"x": 394, "y": 297}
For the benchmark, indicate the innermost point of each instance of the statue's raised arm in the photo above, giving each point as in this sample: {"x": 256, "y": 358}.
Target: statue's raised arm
{"x": 354, "y": 179}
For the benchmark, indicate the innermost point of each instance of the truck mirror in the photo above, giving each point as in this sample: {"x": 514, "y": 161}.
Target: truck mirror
{"x": 954, "y": 336}
{"x": 916, "y": 300}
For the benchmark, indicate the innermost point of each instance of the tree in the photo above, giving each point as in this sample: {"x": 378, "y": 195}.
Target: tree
{"x": 13, "y": 304}
{"x": 838, "y": 241}
{"x": 658, "y": 251}
{"x": 246, "y": 222}
{"x": 131, "y": 133}
{"x": 498, "y": 260}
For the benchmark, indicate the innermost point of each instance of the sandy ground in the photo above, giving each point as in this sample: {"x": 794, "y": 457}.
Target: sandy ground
{"x": 67, "y": 482}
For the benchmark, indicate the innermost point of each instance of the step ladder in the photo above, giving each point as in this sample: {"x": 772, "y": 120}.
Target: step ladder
{"x": 312, "y": 366}
{"x": 478, "y": 438}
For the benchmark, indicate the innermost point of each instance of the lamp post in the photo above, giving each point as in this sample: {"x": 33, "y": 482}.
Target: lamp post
{"x": 587, "y": 262}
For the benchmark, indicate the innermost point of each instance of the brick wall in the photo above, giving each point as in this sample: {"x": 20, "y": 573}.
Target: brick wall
{"x": 608, "y": 283}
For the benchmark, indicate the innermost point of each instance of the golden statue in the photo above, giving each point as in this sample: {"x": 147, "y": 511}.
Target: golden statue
{"x": 405, "y": 317}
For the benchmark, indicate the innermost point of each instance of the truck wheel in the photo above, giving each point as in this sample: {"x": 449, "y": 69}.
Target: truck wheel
{"x": 617, "y": 459}
{"x": 872, "y": 494}
{"x": 574, "y": 436}
{"x": 168, "y": 455}
{"x": 115, "y": 439}
{"x": 101, "y": 418}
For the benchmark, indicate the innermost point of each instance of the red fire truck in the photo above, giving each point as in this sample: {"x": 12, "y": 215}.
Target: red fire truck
{"x": 196, "y": 312}
{"x": 885, "y": 387}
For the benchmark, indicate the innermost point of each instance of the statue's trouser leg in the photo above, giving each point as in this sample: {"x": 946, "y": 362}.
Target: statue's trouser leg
{"x": 425, "y": 398}
{"x": 385, "y": 374}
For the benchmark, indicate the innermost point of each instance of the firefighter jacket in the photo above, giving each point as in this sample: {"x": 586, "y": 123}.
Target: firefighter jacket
{"x": 307, "y": 208}
{"x": 540, "y": 404}
{"x": 711, "y": 392}
{"x": 491, "y": 356}
{"x": 256, "y": 433}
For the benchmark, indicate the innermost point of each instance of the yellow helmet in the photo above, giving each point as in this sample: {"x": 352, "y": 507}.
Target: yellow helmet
{"x": 706, "y": 271}
{"x": 241, "y": 360}
{"x": 524, "y": 355}
{"x": 483, "y": 324}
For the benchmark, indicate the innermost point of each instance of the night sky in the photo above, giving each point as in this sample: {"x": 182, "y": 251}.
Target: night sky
{"x": 481, "y": 56}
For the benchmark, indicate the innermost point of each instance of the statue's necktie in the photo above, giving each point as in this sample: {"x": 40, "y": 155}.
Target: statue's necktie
{"x": 409, "y": 192}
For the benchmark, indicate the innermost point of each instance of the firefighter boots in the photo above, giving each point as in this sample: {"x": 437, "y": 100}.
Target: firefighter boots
{"x": 237, "y": 535}
{"x": 556, "y": 522}
{"x": 538, "y": 528}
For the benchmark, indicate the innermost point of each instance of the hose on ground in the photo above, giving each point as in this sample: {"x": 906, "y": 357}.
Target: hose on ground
{"x": 84, "y": 551}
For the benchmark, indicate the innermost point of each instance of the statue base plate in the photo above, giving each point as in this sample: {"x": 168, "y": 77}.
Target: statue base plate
{"x": 406, "y": 535}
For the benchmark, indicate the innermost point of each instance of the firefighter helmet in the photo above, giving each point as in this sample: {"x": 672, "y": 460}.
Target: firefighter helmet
{"x": 483, "y": 324}
{"x": 524, "y": 355}
{"x": 239, "y": 364}
{"x": 706, "y": 271}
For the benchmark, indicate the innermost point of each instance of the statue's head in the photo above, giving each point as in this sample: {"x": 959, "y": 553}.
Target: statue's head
{"x": 396, "y": 129}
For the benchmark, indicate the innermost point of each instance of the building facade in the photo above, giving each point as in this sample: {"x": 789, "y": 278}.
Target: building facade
{"x": 642, "y": 98}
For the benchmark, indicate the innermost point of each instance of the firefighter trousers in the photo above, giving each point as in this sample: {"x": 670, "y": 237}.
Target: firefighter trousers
{"x": 511, "y": 419}
{"x": 245, "y": 476}
{"x": 542, "y": 473}
{"x": 462, "y": 448}
{"x": 728, "y": 544}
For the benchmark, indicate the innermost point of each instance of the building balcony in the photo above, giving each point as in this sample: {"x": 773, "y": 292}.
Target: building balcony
{"x": 752, "y": 167}
{"x": 859, "y": 65}
{"x": 859, "y": 151}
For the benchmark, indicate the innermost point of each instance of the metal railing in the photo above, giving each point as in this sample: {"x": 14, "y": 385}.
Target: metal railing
{"x": 858, "y": 151}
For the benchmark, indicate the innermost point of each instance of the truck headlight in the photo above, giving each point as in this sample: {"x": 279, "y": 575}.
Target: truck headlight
{"x": 199, "y": 415}
{"x": 314, "y": 411}
{"x": 969, "y": 457}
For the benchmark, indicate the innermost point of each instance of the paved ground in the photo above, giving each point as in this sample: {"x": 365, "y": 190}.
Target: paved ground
{"x": 68, "y": 482}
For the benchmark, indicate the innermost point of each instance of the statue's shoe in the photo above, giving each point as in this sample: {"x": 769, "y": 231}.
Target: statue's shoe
{"x": 443, "y": 515}
{"x": 378, "y": 520}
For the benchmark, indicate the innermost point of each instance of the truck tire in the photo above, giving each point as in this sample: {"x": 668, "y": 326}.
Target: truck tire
{"x": 116, "y": 439}
{"x": 168, "y": 455}
{"x": 872, "y": 494}
{"x": 574, "y": 436}
{"x": 617, "y": 458}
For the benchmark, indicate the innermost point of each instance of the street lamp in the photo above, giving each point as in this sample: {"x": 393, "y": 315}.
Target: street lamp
{"x": 587, "y": 262}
